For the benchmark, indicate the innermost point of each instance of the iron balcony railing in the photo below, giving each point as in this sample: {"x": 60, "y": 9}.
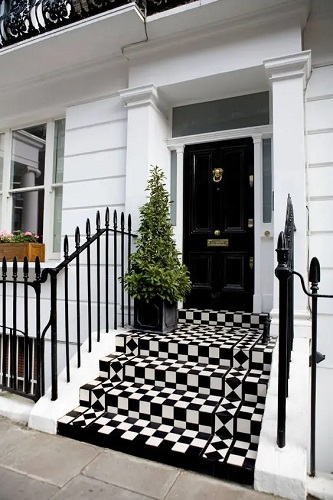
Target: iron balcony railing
{"x": 47, "y": 314}
{"x": 24, "y": 19}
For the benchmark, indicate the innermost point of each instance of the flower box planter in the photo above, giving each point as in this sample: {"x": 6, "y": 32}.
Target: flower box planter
{"x": 21, "y": 250}
{"x": 157, "y": 315}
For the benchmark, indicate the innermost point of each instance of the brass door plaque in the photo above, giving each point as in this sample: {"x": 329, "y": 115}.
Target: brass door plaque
{"x": 218, "y": 243}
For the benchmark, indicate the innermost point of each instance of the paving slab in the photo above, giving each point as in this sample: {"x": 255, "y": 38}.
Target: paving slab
{"x": 51, "y": 458}
{"x": 16, "y": 486}
{"x": 87, "y": 488}
{"x": 11, "y": 436}
{"x": 191, "y": 486}
{"x": 142, "y": 476}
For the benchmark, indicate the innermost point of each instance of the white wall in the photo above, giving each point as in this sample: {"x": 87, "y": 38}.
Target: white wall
{"x": 95, "y": 156}
{"x": 211, "y": 54}
{"x": 319, "y": 138}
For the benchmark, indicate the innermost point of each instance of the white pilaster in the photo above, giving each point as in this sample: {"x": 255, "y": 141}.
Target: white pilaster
{"x": 147, "y": 131}
{"x": 288, "y": 76}
{"x": 180, "y": 198}
{"x": 258, "y": 264}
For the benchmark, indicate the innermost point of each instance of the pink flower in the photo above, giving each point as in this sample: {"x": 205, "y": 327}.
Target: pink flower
{"x": 27, "y": 233}
{"x": 36, "y": 237}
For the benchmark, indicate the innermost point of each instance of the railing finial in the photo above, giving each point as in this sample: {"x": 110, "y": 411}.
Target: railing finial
{"x": 314, "y": 273}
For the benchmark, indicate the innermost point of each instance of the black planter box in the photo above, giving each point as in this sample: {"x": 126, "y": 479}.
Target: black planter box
{"x": 155, "y": 316}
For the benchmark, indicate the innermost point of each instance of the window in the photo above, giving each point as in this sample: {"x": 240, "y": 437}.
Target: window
{"x": 232, "y": 113}
{"x": 267, "y": 180}
{"x": 31, "y": 181}
{"x": 27, "y": 179}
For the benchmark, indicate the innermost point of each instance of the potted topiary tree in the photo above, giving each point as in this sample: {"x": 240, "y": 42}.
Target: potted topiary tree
{"x": 156, "y": 278}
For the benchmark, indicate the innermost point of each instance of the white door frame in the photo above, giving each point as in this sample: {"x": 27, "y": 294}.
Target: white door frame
{"x": 261, "y": 230}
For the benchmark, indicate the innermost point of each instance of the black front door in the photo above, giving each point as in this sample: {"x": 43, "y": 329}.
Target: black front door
{"x": 218, "y": 224}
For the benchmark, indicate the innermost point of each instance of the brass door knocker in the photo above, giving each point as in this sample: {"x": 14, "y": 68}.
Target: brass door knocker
{"x": 217, "y": 174}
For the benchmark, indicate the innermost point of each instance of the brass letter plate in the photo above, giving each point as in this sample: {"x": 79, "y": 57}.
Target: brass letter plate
{"x": 218, "y": 243}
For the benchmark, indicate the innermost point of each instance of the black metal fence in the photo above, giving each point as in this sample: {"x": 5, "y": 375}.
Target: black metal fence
{"x": 285, "y": 273}
{"x": 58, "y": 308}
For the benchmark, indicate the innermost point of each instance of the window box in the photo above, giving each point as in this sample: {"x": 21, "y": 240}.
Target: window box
{"x": 20, "y": 250}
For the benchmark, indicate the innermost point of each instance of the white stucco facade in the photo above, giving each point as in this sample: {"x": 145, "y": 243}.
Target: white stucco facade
{"x": 118, "y": 98}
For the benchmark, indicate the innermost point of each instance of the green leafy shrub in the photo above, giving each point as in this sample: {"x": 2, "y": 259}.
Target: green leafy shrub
{"x": 155, "y": 269}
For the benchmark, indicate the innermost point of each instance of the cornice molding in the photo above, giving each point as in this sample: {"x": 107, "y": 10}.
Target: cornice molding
{"x": 145, "y": 95}
{"x": 289, "y": 67}
{"x": 261, "y": 131}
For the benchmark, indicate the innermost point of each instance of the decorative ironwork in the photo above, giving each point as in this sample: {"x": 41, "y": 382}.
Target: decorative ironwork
{"x": 285, "y": 273}
{"x": 90, "y": 305}
{"x": 24, "y": 19}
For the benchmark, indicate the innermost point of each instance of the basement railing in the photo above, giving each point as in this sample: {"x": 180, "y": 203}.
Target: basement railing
{"x": 84, "y": 294}
{"x": 285, "y": 273}
{"x": 21, "y": 20}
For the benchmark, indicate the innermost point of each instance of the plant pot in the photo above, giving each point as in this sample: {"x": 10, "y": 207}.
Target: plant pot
{"x": 156, "y": 315}
{"x": 21, "y": 250}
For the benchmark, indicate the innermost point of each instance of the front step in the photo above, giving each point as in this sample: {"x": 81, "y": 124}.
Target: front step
{"x": 193, "y": 398}
{"x": 234, "y": 383}
{"x": 182, "y": 409}
{"x": 223, "y": 346}
{"x": 178, "y": 447}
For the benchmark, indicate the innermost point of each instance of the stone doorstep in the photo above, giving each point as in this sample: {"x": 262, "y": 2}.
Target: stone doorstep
{"x": 232, "y": 459}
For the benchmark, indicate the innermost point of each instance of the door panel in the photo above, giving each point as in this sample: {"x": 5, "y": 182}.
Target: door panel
{"x": 218, "y": 205}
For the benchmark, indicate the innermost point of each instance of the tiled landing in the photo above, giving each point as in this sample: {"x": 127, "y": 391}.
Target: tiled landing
{"x": 193, "y": 398}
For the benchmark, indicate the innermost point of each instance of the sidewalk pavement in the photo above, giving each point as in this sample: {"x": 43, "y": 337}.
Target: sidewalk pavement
{"x": 38, "y": 466}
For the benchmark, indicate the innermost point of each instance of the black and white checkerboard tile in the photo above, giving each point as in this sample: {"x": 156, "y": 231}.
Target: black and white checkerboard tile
{"x": 194, "y": 397}
{"x": 238, "y": 319}
{"x": 222, "y": 346}
{"x": 182, "y": 409}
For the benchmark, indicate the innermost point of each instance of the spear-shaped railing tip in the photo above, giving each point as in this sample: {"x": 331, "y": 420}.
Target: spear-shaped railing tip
{"x": 88, "y": 232}
{"x": 98, "y": 220}
{"x": 25, "y": 267}
{"x": 4, "y": 266}
{"x": 107, "y": 217}
{"x": 77, "y": 237}
{"x": 37, "y": 267}
{"x": 66, "y": 247}
{"x": 15, "y": 268}
{"x": 314, "y": 273}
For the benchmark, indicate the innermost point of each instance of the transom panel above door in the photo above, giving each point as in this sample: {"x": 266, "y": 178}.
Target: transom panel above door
{"x": 219, "y": 224}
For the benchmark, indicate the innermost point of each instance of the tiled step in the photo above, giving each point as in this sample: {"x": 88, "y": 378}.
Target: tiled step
{"x": 236, "y": 383}
{"x": 183, "y": 409}
{"x": 222, "y": 346}
{"x": 193, "y": 398}
{"x": 238, "y": 319}
{"x": 229, "y": 458}
{"x": 239, "y": 420}
{"x": 233, "y": 383}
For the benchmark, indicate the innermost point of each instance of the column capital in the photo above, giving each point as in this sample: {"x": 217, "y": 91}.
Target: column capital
{"x": 146, "y": 95}
{"x": 289, "y": 67}
{"x": 257, "y": 138}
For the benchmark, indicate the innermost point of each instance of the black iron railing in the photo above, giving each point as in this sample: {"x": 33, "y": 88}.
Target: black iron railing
{"x": 21, "y": 20}
{"x": 83, "y": 295}
{"x": 285, "y": 273}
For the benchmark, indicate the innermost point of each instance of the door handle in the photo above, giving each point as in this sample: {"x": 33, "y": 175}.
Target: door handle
{"x": 217, "y": 232}
{"x": 251, "y": 263}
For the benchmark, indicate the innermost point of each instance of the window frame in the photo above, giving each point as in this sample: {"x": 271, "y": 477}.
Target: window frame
{"x": 49, "y": 186}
